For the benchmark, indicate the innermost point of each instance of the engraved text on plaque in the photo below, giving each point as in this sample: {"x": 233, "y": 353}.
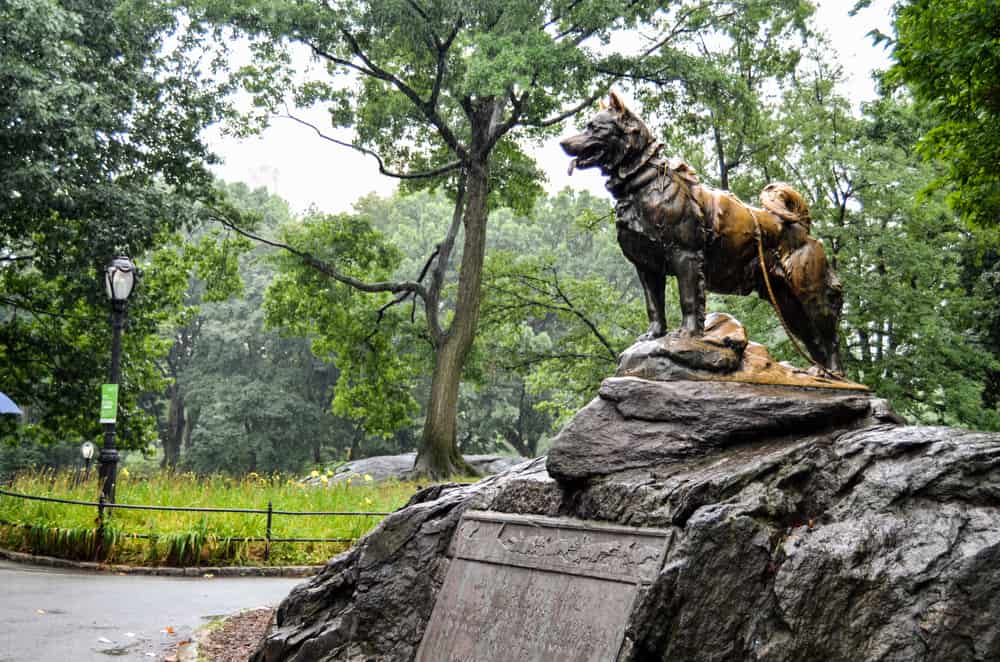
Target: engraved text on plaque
{"x": 538, "y": 589}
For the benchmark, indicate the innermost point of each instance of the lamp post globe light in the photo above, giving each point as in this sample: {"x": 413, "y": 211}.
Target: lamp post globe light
{"x": 119, "y": 278}
{"x": 87, "y": 450}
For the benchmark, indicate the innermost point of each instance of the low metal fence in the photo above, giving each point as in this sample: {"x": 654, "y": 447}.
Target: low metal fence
{"x": 105, "y": 508}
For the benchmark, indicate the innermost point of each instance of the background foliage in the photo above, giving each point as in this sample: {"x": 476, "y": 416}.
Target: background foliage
{"x": 240, "y": 357}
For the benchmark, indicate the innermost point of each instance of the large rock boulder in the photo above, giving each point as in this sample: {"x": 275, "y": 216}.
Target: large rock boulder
{"x": 822, "y": 530}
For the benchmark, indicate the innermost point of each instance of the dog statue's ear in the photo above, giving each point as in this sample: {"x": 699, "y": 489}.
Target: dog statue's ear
{"x": 617, "y": 104}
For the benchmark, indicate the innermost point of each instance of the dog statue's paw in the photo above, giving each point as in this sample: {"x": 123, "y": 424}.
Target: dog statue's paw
{"x": 684, "y": 333}
{"x": 654, "y": 331}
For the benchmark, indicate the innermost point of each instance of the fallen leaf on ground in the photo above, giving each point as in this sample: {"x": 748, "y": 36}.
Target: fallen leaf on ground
{"x": 167, "y": 630}
{"x": 39, "y": 611}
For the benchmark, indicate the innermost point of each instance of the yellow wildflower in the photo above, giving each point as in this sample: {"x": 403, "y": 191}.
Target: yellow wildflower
{"x": 368, "y": 501}
{"x": 329, "y": 472}
{"x": 314, "y": 473}
{"x": 368, "y": 478}
{"x": 124, "y": 473}
{"x": 324, "y": 480}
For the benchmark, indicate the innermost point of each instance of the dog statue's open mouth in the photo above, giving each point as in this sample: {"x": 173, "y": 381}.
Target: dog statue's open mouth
{"x": 588, "y": 157}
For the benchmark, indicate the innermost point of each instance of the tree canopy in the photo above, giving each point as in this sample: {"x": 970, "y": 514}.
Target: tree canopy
{"x": 471, "y": 311}
{"x": 99, "y": 136}
{"x": 947, "y": 54}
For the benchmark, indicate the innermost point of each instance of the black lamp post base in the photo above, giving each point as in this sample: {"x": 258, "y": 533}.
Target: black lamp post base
{"x": 107, "y": 471}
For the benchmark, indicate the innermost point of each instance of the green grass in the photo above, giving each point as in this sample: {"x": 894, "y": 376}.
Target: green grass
{"x": 184, "y": 539}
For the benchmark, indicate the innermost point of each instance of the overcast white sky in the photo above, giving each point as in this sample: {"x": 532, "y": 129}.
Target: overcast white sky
{"x": 292, "y": 162}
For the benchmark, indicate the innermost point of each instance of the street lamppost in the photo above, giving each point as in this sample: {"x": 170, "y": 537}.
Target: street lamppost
{"x": 119, "y": 277}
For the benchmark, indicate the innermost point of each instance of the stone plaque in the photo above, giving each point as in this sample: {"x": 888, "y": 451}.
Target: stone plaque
{"x": 539, "y": 589}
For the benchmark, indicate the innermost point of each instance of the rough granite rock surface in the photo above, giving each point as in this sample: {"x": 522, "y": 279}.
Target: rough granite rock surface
{"x": 636, "y": 422}
{"x": 820, "y": 535}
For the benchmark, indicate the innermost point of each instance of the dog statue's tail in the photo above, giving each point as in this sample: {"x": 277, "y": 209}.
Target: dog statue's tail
{"x": 786, "y": 203}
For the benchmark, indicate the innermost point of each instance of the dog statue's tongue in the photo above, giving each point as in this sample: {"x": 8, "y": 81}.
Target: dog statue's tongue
{"x": 572, "y": 164}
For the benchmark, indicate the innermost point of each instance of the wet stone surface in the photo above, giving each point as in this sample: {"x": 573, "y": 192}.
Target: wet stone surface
{"x": 798, "y": 536}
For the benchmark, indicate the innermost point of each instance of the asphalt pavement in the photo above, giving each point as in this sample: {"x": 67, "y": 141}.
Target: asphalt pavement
{"x": 55, "y": 615}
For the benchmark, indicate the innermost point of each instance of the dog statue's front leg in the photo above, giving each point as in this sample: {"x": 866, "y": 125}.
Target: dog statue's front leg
{"x": 653, "y": 286}
{"x": 689, "y": 266}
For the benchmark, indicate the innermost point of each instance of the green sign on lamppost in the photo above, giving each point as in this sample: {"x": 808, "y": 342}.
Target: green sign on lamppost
{"x": 119, "y": 278}
{"x": 109, "y": 403}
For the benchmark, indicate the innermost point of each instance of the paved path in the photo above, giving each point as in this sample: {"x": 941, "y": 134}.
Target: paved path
{"x": 51, "y": 615}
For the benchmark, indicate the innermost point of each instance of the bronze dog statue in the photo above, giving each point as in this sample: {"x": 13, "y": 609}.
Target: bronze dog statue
{"x": 669, "y": 223}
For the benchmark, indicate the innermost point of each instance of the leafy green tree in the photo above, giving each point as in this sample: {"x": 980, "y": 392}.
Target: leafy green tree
{"x": 717, "y": 110}
{"x": 561, "y": 301}
{"x": 217, "y": 279}
{"x": 443, "y": 93}
{"x": 981, "y": 277}
{"x": 99, "y": 136}
{"x": 262, "y": 400}
{"x": 244, "y": 395}
{"x": 947, "y": 54}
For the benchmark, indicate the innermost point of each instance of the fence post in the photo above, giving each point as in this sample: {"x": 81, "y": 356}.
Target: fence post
{"x": 267, "y": 536}
{"x": 99, "y": 538}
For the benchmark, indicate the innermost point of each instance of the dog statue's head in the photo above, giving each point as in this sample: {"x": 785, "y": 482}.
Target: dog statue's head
{"x": 614, "y": 140}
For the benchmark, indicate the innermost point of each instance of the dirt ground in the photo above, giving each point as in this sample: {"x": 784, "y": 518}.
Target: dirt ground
{"x": 236, "y": 638}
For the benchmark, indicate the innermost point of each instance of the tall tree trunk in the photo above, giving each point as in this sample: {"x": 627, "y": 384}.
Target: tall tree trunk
{"x": 438, "y": 456}
{"x": 192, "y": 420}
{"x": 176, "y": 425}
{"x": 720, "y": 153}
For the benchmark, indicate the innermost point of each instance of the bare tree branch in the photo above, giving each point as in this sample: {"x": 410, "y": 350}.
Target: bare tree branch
{"x": 589, "y": 101}
{"x": 443, "y": 250}
{"x": 427, "y": 264}
{"x": 517, "y": 109}
{"x": 419, "y": 10}
{"x": 326, "y": 55}
{"x": 395, "y": 287}
{"x": 425, "y": 174}
{"x": 399, "y": 298}
{"x": 583, "y": 318}
{"x": 430, "y": 111}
